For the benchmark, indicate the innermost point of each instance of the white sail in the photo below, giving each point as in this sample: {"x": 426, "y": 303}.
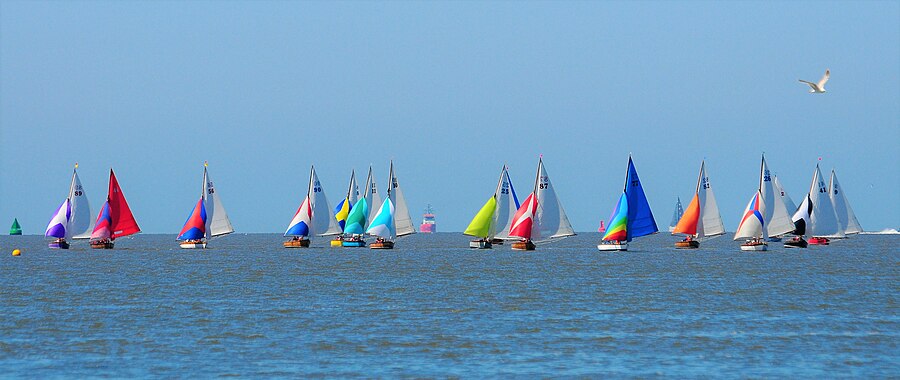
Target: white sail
{"x": 373, "y": 198}
{"x": 823, "y": 221}
{"x": 710, "y": 223}
{"x": 216, "y": 218}
{"x": 788, "y": 202}
{"x": 81, "y": 224}
{"x": 353, "y": 190}
{"x": 403, "y": 223}
{"x": 847, "y": 221}
{"x": 778, "y": 216}
{"x": 58, "y": 222}
{"x": 753, "y": 219}
{"x": 506, "y": 206}
{"x": 323, "y": 221}
{"x": 550, "y": 221}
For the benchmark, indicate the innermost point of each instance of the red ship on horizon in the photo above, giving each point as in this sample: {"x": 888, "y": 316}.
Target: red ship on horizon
{"x": 428, "y": 226}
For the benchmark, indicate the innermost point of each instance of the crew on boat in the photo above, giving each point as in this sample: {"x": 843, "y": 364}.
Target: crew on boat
{"x": 379, "y": 240}
{"x": 193, "y": 241}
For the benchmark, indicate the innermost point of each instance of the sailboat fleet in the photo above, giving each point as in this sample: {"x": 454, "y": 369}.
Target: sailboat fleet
{"x": 364, "y": 218}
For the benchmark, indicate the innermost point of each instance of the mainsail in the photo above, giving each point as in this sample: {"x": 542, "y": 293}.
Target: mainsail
{"x": 219, "y": 224}
{"x": 847, "y": 221}
{"x": 701, "y": 218}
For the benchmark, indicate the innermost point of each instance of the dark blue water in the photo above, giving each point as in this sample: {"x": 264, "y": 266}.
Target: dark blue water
{"x": 433, "y": 308}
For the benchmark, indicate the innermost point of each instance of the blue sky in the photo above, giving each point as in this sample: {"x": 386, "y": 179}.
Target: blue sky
{"x": 450, "y": 91}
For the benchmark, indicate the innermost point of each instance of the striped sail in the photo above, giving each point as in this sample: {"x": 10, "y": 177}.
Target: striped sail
{"x": 383, "y": 223}
{"x": 753, "y": 222}
{"x": 58, "y": 222}
{"x": 523, "y": 221}
{"x": 342, "y": 209}
{"x": 846, "y": 218}
{"x": 314, "y": 216}
{"x": 617, "y": 226}
{"x": 195, "y": 226}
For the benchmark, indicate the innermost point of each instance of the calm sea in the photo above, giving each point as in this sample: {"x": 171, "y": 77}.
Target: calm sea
{"x": 433, "y": 308}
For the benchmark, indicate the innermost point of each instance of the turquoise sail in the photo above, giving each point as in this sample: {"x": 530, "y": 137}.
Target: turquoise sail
{"x": 356, "y": 220}
{"x": 640, "y": 218}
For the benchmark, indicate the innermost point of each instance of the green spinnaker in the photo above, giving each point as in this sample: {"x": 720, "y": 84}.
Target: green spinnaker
{"x": 481, "y": 224}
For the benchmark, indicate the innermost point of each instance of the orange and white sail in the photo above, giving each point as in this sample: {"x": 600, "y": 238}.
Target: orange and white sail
{"x": 701, "y": 218}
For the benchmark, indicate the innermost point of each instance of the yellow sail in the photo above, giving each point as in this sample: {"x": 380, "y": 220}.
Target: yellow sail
{"x": 482, "y": 222}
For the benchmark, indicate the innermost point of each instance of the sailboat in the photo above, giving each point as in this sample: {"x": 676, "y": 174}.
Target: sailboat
{"x": 15, "y": 229}
{"x": 495, "y": 216}
{"x": 115, "y": 218}
{"x": 540, "y": 216}
{"x": 208, "y": 218}
{"x": 313, "y": 217}
{"x": 72, "y": 219}
{"x": 392, "y": 219}
{"x": 676, "y": 216}
{"x": 815, "y": 217}
{"x": 361, "y": 214}
{"x": 701, "y": 219}
{"x": 343, "y": 208}
{"x": 765, "y": 214}
{"x": 847, "y": 221}
{"x": 632, "y": 216}
{"x": 788, "y": 204}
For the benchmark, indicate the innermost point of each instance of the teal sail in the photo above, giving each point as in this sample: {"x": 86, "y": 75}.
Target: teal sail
{"x": 356, "y": 220}
{"x": 16, "y": 229}
{"x": 640, "y": 218}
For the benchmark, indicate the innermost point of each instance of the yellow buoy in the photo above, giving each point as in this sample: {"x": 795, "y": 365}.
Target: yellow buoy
{"x": 16, "y": 252}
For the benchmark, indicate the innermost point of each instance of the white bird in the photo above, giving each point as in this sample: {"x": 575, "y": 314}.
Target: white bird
{"x": 819, "y": 88}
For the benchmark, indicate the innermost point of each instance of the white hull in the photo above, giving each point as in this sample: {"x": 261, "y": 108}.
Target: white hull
{"x": 612, "y": 247}
{"x": 755, "y": 247}
{"x": 193, "y": 245}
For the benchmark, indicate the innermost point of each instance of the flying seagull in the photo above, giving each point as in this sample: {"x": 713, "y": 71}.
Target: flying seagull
{"x": 819, "y": 88}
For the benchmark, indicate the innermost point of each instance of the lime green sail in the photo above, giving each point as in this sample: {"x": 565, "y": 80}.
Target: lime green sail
{"x": 15, "y": 229}
{"x": 482, "y": 223}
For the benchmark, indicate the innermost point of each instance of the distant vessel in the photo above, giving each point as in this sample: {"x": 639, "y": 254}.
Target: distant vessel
{"x": 493, "y": 219}
{"x": 207, "y": 219}
{"x": 15, "y": 229}
{"x": 313, "y": 217}
{"x": 541, "y": 215}
{"x": 602, "y": 227}
{"x": 72, "y": 219}
{"x": 428, "y": 226}
{"x": 676, "y": 216}
{"x": 115, "y": 218}
{"x": 701, "y": 219}
{"x": 632, "y": 217}
{"x": 815, "y": 217}
{"x": 765, "y": 215}
{"x": 392, "y": 219}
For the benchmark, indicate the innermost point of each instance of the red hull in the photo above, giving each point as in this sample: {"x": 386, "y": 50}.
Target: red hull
{"x": 427, "y": 228}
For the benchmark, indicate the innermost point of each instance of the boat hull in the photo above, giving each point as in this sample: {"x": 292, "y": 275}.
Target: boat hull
{"x": 496, "y": 241}
{"x": 58, "y": 245}
{"x": 387, "y": 244}
{"x": 754, "y": 246}
{"x": 337, "y": 243}
{"x": 819, "y": 241}
{"x": 353, "y": 243}
{"x": 527, "y": 245}
{"x": 687, "y": 244}
{"x": 102, "y": 245}
{"x": 796, "y": 243}
{"x": 192, "y": 245}
{"x": 610, "y": 246}
{"x": 303, "y": 243}
{"x": 480, "y": 244}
